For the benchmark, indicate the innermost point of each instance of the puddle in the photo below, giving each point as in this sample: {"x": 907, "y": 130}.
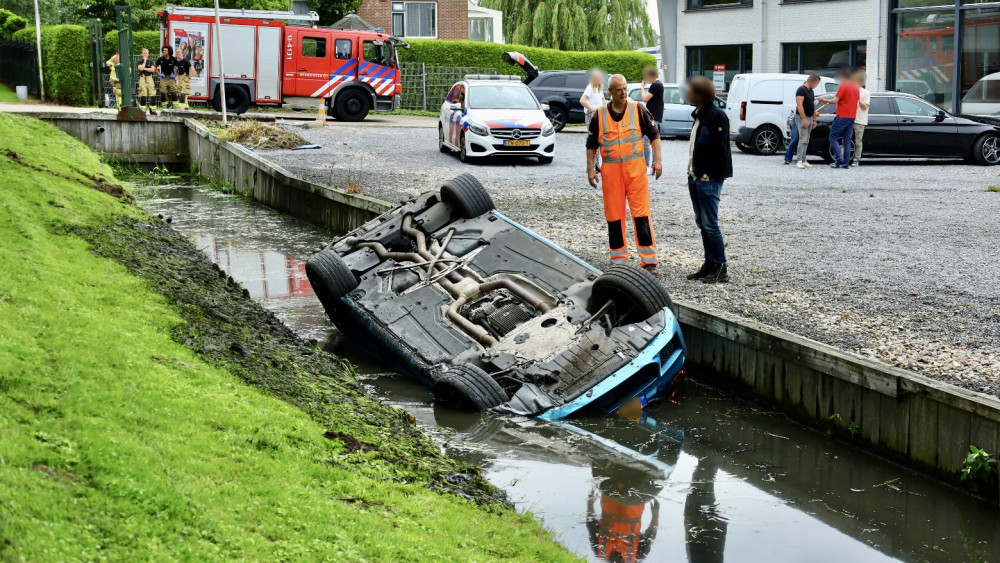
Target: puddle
{"x": 702, "y": 478}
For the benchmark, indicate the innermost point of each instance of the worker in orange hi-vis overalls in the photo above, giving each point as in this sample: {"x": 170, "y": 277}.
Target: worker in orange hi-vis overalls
{"x": 617, "y": 130}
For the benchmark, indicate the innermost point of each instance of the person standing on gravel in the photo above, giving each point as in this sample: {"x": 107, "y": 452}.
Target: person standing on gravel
{"x": 861, "y": 121}
{"x": 803, "y": 122}
{"x": 652, "y": 95}
{"x": 591, "y": 100}
{"x": 617, "y": 131}
{"x": 710, "y": 162}
{"x": 843, "y": 125}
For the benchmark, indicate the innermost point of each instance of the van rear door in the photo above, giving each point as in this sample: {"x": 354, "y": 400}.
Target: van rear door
{"x": 734, "y": 102}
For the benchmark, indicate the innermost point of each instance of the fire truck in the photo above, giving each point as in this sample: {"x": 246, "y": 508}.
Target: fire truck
{"x": 275, "y": 58}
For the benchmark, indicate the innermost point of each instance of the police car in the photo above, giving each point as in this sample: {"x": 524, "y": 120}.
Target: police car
{"x": 486, "y": 115}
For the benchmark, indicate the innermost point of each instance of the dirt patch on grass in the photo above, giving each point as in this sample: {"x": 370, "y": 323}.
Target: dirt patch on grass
{"x": 260, "y": 136}
{"x": 351, "y": 444}
{"x": 91, "y": 181}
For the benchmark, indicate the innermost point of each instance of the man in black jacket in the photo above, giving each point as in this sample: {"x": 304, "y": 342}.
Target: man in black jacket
{"x": 710, "y": 162}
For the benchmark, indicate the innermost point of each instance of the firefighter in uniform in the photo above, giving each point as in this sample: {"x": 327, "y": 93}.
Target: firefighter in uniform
{"x": 147, "y": 89}
{"x": 166, "y": 67}
{"x": 617, "y": 131}
{"x": 116, "y": 85}
{"x": 183, "y": 81}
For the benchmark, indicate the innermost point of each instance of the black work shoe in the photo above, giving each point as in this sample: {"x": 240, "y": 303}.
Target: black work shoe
{"x": 718, "y": 274}
{"x": 702, "y": 272}
{"x": 652, "y": 270}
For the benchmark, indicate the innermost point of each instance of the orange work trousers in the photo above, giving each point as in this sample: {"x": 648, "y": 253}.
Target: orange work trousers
{"x": 627, "y": 183}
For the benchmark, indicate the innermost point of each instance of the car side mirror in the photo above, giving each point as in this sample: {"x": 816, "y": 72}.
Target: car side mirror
{"x": 455, "y": 107}
{"x": 545, "y": 107}
{"x": 722, "y": 103}
{"x": 940, "y": 116}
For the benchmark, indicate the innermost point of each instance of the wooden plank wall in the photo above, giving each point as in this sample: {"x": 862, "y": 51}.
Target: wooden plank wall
{"x": 155, "y": 140}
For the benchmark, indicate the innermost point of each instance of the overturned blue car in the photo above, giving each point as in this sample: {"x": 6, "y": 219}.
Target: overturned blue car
{"x": 494, "y": 316}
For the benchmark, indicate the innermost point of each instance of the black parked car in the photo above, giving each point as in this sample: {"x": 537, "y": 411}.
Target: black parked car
{"x": 560, "y": 89}
{"x": 906, "y": 126}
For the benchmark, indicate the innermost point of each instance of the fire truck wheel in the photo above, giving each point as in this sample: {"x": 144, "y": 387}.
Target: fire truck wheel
{"x": 237, "y": 100}
{"x": 352, "y": 105}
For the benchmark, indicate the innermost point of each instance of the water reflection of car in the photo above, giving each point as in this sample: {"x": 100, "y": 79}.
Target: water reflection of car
{"x": 487, "y": 115}
{"x": 984, "y": 97}
{"x": 677, "y": 119}
{"x": 493, "y": 315}
{"x": 905, "y": 126}
{"x": 919, "y": 88}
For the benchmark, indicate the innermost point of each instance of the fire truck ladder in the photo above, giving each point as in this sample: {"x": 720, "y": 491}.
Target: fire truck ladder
{"x": 273, "y": 15}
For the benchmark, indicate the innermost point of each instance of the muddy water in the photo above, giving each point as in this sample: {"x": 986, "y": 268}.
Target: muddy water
{"x": 700, "y": 478}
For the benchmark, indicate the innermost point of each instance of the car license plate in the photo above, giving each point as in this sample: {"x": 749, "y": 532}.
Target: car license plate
{"x": 516, "y": 143}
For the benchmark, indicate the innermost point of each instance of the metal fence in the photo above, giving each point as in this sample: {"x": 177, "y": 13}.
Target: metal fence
{"x": 425, "y": 87}
{"x": 108, "y": 100}
{"x": 19, "y": 65}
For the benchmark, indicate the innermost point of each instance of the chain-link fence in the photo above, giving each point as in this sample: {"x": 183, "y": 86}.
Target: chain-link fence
{"x": 19, "y": 65}
{"x": 425, "y": 87}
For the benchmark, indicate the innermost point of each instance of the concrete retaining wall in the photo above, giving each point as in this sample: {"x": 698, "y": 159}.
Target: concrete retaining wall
{"x": 157, "y": 140}
{"x": 275, "y": 187}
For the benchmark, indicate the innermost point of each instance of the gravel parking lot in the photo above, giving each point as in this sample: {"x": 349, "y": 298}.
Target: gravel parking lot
{"x": 893, "y": 260}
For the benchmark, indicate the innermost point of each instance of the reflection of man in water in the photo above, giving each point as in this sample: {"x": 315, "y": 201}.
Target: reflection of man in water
{"x": 617, "y": 536}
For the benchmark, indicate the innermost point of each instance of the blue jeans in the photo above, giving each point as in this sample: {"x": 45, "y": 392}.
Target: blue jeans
{"x": 841, "y": 129}
{"x": 705, "y": 197}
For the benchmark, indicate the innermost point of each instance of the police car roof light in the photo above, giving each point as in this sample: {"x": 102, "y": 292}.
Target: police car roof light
{"x": 492, "y": 77}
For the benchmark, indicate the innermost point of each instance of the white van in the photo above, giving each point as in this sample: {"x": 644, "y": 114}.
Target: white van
{"x": 759, "y": 104}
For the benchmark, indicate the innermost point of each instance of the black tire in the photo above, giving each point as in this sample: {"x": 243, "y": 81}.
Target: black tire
{"x": 987, "y": 150}
{"x": 630, "y": 286}
{"x": 330, "y": 276}
{"x": 560, "y": 115}
{"x": 441, "y": 145}
{"x": 828, "y": 152}
{"x": 352, "y": 104}
{"x": 463, "y": 151}
{"x": 237, "y": 100}
{"x": 467, "y": 387}
{"x": 766, "y": 140}
{"x": 545, "y": 160}
{"x": 744, "y": 147}
{"x": 469, "y": 197}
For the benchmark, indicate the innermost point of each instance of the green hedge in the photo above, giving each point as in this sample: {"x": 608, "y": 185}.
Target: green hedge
{"x": 65, "y": 62}
{"x": 479, "y": 54}
{"x": 140, "y": 40}
{"x": 11, "y": 23}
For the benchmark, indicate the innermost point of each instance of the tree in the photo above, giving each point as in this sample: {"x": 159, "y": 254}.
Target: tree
{"x": 576, "y": 25}
{"x": 332, "y": 10}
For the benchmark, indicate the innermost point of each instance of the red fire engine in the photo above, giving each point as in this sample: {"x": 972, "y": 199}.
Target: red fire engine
{"x": 275, "y": 58}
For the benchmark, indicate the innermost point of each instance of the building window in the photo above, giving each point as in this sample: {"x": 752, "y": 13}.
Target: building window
{"x": 924, "y": 62}
{"x": 414, "y": 19}
{"x": 314, "y": 47}
{"x": 729, "y": 60}
{"x": 481, "y": 29}
{"x": 706, "y": 4}
{"x": 824, "y": 59}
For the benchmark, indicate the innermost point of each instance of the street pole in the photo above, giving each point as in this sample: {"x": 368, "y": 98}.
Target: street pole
{"x": 222, "y": 72}
{"x": 38, "y": 44}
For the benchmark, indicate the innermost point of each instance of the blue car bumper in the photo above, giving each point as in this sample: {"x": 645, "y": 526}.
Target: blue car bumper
{"x": 660, "y": 360}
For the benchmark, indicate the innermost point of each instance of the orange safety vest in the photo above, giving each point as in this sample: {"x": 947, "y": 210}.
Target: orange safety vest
{"x": 620, "y": 528}
{"x": 621, "y": 141}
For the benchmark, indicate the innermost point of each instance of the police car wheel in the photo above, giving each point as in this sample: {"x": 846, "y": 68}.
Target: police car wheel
{"x": 441, "y": 146}
{"x": 463, "y": 151}
{"x": 352, "y": 105}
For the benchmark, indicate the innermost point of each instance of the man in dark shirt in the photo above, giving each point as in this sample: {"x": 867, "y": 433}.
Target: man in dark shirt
{"x": 710, "y": 162}
{"x": 652, "y": 94}
{"x": 804, "y": 122}
{"x": 617, "y": 131}
{"x": 166, "y": 67}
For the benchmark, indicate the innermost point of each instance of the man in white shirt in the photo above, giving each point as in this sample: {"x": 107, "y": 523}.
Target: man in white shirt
{"x": 861, "y": 121}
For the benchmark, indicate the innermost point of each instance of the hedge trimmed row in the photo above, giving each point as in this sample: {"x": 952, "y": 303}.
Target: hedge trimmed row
{"x": 479, "y": 54}
{"x": 11, "y": 23}
{"x": 140, "y": 40}
{"x": 65, "y": 63}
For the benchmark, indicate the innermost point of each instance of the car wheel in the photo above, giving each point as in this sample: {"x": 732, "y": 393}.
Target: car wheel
{"x": 468, "y": 196}
{"x": 744, "y": 147}
{"x": 559, "y": 117}
{"x": 352, "y": 105}
{"x": 545, "y": 160}
{"x": 330, "y": 276}
{"x": 635, "y": 292}
{"x": 828, "y": 156}
{"x": 237, "y": 100}
{"x": 766, "y": 140}
{"x": 987, "y": 150}
{"x": 463, "y": 150}
{"x": 441, "y": 145}
{"x": 468, "y": 387}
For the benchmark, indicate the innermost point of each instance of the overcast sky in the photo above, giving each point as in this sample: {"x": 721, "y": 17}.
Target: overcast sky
{"x": 654, "y": 19}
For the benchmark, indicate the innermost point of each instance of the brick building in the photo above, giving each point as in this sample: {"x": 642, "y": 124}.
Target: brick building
{"x": 434, "y": 19}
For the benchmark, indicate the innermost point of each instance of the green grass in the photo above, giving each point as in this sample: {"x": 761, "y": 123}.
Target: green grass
{"x": 7, "y": 94}
{"x": 417, "y": 112}
{"x": 994, "y": 189}
{"x": 119, "y": 442}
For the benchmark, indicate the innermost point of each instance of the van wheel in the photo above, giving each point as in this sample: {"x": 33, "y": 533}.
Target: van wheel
{"x": 634, "y": 291}
{"x": 237, "y": 100}
{"x": 987, "y": 151}
{"x": 352, "y": 105}
{"x": 467, "y": 387}
{"x": 744, "y": 147}
{"x": 468, "y": 196}
{"x": 559, "y": 117}
{"x": 766, "y": 140}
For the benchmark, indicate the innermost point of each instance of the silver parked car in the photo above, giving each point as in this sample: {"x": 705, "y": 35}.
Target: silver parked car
{"x": 677, "y": 120}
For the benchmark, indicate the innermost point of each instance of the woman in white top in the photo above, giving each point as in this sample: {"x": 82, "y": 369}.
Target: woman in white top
{"x": 591, "y": 100}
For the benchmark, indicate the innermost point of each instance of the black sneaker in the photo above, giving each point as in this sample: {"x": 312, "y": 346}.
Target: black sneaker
{"x": 702, "y": 272}
{"x": 718, "y": 274}
{"x": 652, "y": 270}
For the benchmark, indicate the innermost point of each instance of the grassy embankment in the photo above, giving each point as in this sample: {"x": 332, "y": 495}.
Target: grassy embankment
{"x": 150, "y": 411}
{"x": 7, "y": 94}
